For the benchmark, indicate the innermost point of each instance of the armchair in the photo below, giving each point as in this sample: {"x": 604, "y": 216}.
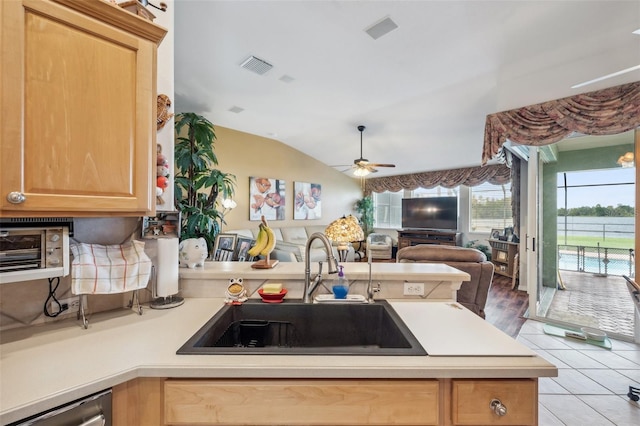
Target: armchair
{"x": 472, "y": 294}
{"x": 379, "y": 246}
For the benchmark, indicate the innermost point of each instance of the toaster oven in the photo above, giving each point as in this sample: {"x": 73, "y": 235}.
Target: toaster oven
{"x": 33, "y": 249}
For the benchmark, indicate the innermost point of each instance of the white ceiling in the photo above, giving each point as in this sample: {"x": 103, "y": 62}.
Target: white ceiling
{"x": 423, "y": 90}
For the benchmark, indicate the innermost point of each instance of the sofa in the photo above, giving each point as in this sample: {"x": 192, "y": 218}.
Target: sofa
{"x": 291, "y": 243}
{"x": 472, "y": 294}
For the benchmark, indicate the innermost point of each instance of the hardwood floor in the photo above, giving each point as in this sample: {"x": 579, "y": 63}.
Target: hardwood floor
{"x": 505, "y": 307}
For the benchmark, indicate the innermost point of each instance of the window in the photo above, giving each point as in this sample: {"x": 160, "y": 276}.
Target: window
{"x": 490, "y": 207}
{"x": 388, "y": 209}
{"x": 437, "y": 191}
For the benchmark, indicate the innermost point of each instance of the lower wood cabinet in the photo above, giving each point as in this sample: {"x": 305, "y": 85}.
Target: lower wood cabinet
{"x": 478, "y": 402}
{"x": 164, "y": 402}
{"x": 301, "y": 402}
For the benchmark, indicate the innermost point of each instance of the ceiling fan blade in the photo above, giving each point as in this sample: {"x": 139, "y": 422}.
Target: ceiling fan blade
{"x": 381, "y": 165}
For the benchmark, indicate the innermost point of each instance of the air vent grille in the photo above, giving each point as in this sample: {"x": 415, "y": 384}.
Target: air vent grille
{"x": 256, "y": 65}
{"x": 381, "y": 28}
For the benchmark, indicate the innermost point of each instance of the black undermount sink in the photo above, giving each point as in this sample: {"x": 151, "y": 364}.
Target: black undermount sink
{"x": 296, "y": 328}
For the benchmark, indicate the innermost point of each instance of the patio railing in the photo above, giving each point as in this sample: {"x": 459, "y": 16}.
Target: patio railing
{"x": 596, "y": 260}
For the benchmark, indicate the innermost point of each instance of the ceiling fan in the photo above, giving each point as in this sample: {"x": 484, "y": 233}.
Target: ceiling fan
{"x": 362, "y": 166}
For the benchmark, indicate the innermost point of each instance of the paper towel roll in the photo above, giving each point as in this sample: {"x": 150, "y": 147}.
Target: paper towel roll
{"x": 167, "y": 267}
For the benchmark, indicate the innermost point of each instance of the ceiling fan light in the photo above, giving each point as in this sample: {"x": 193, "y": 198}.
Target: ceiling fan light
{"x": 361, "y": 171}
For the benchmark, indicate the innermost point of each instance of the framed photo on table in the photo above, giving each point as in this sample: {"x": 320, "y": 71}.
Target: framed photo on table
{"x": 495, "y": 233}
{"x": 224, "y": 243}
{"x": 508, "y": 232}
{"x": 243, "y": 244}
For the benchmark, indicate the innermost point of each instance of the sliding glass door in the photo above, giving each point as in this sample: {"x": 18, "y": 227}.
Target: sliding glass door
{"x": 581, "y": 232}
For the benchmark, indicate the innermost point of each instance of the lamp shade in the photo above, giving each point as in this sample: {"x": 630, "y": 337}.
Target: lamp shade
{"x": 361, "y": 172}
{"x": 344, "y": 230}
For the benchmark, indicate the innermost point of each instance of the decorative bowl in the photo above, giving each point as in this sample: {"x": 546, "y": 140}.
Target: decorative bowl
{"x": 594, "y": 334}
{"x": 272, "y": 297}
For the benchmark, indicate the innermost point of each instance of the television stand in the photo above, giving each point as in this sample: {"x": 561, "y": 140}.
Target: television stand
{"x": 413, "y": 237}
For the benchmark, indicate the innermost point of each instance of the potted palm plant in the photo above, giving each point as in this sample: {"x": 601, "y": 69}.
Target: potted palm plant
{"x": 197, "y": 182}
{"x": 364, "y": 207}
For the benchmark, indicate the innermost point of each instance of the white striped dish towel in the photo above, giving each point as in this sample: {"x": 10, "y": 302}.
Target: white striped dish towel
{"x": 98, "y": 269}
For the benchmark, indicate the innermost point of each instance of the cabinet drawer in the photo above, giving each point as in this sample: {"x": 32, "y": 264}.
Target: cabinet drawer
{"x": 301, "y": 402}
{"x": 471, "y": 400}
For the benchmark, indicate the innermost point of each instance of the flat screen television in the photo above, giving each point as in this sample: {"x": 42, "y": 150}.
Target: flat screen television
{"x": 430, "y": 213}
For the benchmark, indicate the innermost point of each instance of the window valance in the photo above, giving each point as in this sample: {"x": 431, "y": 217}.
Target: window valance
{"x": 471, "y": 176}
{"x": 603, "y": 112}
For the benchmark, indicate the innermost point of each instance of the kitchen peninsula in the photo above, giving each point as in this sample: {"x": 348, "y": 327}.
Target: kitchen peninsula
{"x": 469, "y": 364}
{"x": 440, "y": 281}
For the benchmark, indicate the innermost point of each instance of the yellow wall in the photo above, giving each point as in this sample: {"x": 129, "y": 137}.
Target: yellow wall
{"x": 246, "y": 155}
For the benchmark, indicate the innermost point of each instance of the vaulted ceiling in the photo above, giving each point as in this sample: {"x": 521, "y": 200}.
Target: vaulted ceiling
{"x": 422, "y": 90}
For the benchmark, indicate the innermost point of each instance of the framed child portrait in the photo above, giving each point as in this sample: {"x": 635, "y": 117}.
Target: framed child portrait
{"x": 243, "y": 245}
{"x": 224, "y": 244}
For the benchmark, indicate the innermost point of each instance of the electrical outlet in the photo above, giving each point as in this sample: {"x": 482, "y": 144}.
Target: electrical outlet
{"x": 414, "y": 289}
{"x": 72, "y": 304}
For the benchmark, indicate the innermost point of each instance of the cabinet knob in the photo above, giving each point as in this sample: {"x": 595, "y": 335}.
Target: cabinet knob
{"x": 16, "y": 197}
{"x": 498, "y": 407}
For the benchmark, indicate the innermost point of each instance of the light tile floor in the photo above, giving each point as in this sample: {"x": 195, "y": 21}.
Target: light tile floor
{"x": 592, "y": 384}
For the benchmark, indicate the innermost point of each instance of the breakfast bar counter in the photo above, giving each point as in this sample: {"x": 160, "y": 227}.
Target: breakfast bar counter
{"x": 440, "y": 281}
{"x": 44, "y": 366}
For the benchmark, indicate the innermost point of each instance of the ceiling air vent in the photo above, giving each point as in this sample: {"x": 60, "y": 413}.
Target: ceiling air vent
{"x": 381, "y": 28}
{"x": 256, "y": 65}
{"x": 286, "y": 79}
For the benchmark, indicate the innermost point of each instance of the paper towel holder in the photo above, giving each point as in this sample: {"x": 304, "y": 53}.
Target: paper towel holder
{"x": 158, "y": 302}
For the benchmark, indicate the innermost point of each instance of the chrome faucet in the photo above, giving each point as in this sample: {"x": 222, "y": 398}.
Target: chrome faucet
{"x": 331, "y": 260}
{"x": 370, "y": 289}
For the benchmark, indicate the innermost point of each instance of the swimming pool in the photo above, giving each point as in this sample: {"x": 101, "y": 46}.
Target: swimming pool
{"x": 610, "y": 261}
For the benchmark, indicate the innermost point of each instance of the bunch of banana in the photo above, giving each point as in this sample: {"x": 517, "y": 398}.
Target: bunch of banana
{"x": 265, "y": 242}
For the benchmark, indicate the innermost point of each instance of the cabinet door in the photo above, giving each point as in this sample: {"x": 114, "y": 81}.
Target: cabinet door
{"x": 471, "y": 402}
{"x": 301, "y": 402}
{"x": 78, "y": 109}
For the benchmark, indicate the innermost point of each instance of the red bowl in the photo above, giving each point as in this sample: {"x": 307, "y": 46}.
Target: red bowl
{"x": 272, "y": 297}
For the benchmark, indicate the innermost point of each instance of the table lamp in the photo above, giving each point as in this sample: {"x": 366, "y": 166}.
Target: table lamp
{"x": 343, "y": 231}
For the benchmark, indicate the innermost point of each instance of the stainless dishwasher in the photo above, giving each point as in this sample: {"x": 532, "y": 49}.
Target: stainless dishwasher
{"x": 93, "y": 410}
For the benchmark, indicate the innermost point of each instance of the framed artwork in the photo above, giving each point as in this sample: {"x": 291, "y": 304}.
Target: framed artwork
{"x": 495, "y": 234}
{"x": 266, "y": 198}
{"x": 224, "y": 243}
{"x": 501, "y": 255}
{"x": 243, "y": 244}
{"x": 308, "y": 200}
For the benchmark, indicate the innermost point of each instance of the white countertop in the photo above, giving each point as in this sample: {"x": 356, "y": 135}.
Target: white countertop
{"x": 353, "y": 270}
{"x": 45, "y": 366}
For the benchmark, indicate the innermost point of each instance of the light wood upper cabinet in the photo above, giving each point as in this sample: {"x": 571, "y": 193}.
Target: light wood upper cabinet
{"x": 78, "y": 103}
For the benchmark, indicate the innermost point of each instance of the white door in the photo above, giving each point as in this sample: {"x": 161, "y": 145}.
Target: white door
{"x": 532, "y": 246}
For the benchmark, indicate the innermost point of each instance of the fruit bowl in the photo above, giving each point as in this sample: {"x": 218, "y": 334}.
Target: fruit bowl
{"x": 272, "y": 297}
